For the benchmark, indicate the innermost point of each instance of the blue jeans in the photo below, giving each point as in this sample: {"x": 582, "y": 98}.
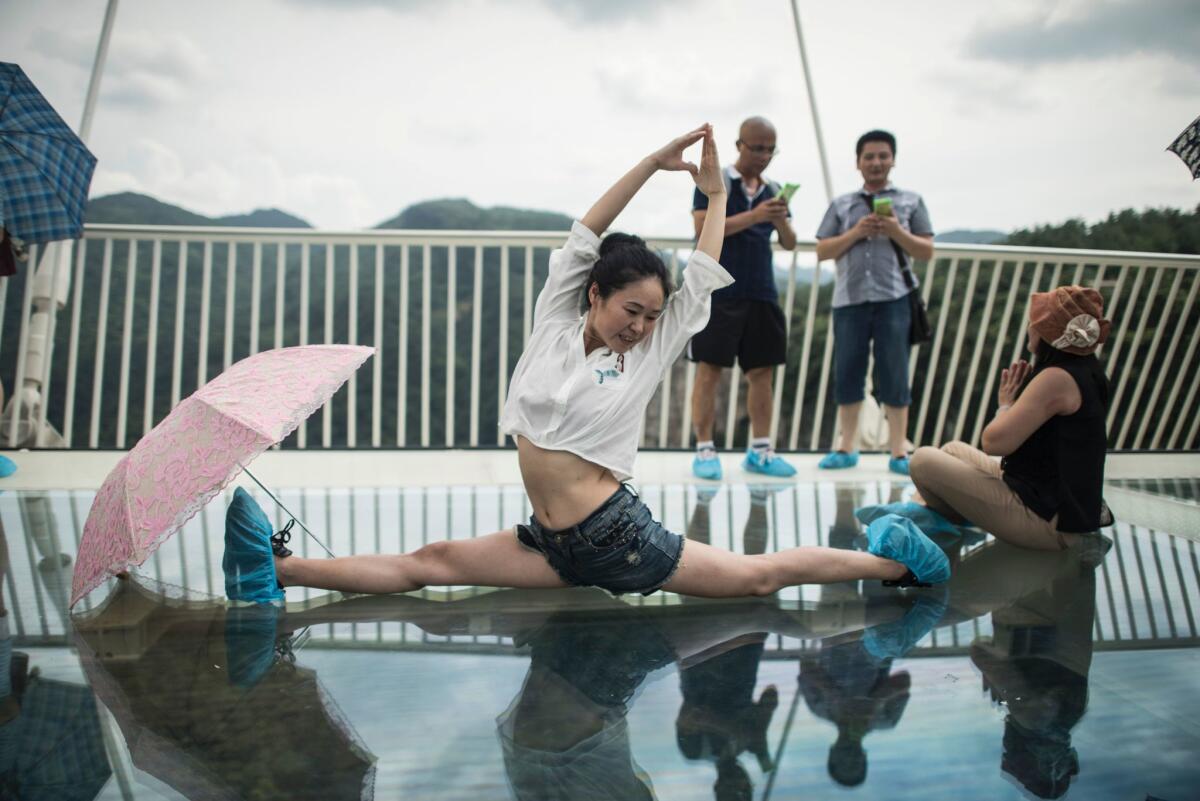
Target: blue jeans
{"x": 854, "y": 328}
{"x": 620, "y": 547}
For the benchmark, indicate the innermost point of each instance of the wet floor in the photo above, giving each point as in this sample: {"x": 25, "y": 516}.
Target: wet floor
{"x": 1030, "y": 675}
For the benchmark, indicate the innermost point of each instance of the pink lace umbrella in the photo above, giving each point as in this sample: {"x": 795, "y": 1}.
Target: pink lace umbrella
{"x": 202, "y": 445}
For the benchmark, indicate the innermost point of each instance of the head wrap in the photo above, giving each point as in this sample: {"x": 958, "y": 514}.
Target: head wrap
{"x": 1069, "y": 318}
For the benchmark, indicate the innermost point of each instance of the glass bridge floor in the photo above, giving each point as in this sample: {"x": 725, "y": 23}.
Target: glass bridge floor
{"x": 1029, "y": 675}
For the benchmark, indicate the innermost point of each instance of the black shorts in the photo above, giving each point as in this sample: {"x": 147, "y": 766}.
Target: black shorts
{"x": 751, "y": 331}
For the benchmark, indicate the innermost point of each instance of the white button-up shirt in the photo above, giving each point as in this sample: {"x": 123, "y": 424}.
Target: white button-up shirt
{"x": 593, "y": 404}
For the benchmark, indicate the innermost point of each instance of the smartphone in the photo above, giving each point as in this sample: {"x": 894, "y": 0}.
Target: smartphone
{"x": 786, "y": 191}
{"x": 883, "y": 206}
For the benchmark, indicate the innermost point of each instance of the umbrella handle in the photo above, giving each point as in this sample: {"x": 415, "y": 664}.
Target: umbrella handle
{"x": 289, "y": 511}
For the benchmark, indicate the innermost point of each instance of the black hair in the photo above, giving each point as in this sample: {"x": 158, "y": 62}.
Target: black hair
{"x": 624, "y": 259}
{"x": 733, "y": 782}
{"x": 1049, "y": 356}
{"x": 847, "y": 763}
{"x": 875, "y": 136}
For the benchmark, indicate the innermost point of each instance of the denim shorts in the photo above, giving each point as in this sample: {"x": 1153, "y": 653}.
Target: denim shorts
{"x": 854, "y": 329}
{"x": 620, "y": 547}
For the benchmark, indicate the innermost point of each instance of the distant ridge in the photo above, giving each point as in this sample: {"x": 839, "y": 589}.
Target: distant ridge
{"x": 972, "y": 237}
{"x": 462, "y": 215}
{"x": 132, "y": 208}
{"x": 264, "y": 218}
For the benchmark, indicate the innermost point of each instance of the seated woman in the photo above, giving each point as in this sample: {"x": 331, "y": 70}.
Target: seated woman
{"x": 574, "y": 407}
{"x": 1049, "y": 429}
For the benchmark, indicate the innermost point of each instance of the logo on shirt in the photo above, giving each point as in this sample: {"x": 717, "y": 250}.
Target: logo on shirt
{"x": 610, "y": 374}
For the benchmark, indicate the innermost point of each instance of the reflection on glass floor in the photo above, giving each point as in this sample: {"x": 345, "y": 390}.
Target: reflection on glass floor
{"x": 1185, "y": 490}
{"x": 1010, "y": 682}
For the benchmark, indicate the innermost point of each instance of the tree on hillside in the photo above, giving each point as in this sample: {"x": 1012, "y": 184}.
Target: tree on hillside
{"x": 459, "y": 214}
{"x": 1153, "y": 230}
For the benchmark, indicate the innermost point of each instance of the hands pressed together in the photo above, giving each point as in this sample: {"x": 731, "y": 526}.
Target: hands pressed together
{"x": 708, "y": 175}
{"x": 1011, "y": 379}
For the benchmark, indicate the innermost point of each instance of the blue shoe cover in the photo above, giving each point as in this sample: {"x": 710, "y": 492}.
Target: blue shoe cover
{"x": 898, "y": 465}
{"x": 7, "y": 467}
{"x": 249, "y": 563}
{"x": 928, "y": 520}
{"x": 837, "y": 460}
{"x": 898, "y": 538}
{"x": 709, "y": 469}
{"x": 765, "y": 465}
{"x": 895, "y": 639}
{"x": 250, "y": 643}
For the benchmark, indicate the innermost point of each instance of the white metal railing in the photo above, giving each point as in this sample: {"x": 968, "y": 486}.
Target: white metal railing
{"x": 154, "y": 312}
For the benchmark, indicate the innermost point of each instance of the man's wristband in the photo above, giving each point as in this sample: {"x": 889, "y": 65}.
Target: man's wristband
{"x": 1004, "y": 407}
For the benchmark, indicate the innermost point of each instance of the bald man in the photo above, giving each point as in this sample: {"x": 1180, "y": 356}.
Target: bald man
{"x": 746, "y": 323}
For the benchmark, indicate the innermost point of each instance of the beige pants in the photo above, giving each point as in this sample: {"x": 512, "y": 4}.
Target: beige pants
{"x": 962, "y": 482}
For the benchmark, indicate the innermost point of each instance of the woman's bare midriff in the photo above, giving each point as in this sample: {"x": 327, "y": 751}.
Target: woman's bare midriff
{"x": 563, "y": 488}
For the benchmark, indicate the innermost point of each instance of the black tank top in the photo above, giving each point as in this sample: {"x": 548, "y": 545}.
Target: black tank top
{"x": 1060, "y": 468}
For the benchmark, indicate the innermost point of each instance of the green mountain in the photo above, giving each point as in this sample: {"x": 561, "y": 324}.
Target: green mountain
{"x": 132, "y": 208}
{"x": 457, "y": 214}
{"x": 460, "y": 214}
{"x": 971, "y": 236}
{"x": 137, "y": 209}
{"x": 263, "y": 218}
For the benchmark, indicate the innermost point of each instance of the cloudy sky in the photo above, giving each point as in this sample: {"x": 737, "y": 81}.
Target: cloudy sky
{"x": 345, "y": 111}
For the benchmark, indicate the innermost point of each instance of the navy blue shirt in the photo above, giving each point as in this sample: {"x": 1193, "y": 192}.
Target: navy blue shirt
{"x": 746, "y": 255}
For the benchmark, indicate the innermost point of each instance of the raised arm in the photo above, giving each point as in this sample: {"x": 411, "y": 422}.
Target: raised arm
{"x": 687, "y": 311}
{"x": 709, "y": 181}
{"x": 570, "y": 264}
{"x": 669, "y": 157}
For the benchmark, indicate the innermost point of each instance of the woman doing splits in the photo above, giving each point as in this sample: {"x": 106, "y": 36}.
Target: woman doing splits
{"x": 575, "y": 405}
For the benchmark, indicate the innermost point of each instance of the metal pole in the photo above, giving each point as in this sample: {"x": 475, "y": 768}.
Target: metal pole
{"x": 52, "y": 280}
{"x": 89, "y": 105}
{"x": 812, "y": 103}
{"x": 816, "y": 118}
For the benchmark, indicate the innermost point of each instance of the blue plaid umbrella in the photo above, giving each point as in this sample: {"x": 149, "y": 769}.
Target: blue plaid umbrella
{"x": 54, "y": 751}
{"x": 45, "y": 169}
{"x": 1187, "y": 147}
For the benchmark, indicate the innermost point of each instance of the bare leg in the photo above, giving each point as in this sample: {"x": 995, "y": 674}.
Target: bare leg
{"x": 704, "y": 400}
{"x": 897, "y": 417}
{"x": 495, "y": 560}
{"x": 709, "y": 572}
{"x": 848, "y": 420}
{"x": 759, "y": 400}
